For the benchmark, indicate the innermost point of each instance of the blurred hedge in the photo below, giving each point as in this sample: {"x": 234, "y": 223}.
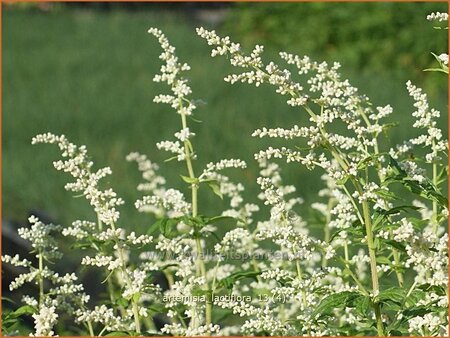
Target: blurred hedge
{"x": 365, "y": 36}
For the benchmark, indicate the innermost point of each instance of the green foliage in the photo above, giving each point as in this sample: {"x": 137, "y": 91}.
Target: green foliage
{"x": 334, "y": 301}
{"x": 367, "y": 36}
{"x": 11, "y": 320}
{"x": 229, "y": 281}
{"x": 424, "y": 189}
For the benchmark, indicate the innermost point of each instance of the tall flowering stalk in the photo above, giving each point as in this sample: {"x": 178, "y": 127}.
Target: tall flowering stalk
{"x": 171, "y": 74}
{"x": 183, "y": 150}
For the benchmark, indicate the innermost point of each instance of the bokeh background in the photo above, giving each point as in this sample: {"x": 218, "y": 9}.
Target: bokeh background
{"x": 86, "y": 69}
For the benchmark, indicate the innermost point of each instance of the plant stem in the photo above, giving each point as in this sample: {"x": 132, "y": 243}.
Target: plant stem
{"x": 370, "y": 240}
{"x": 435, "y": 209}
{"x": 326, "y": 229}
{"x": 134, "y": 305}
{"x": 41, "y": 278}
{"x": 200, "y": 254}
{"x": 305, "y": 302}
{"x": 397, "y": 262}
{"x": 300, "y": 276}
{"x": 373, "y": 266}
{"x": 91, "y": 330}
{"x": 376, "y": 148}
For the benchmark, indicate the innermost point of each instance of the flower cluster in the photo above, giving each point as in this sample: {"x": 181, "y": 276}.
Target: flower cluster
{"x": 438, "y": 16}
{"x": 86, "y": 181}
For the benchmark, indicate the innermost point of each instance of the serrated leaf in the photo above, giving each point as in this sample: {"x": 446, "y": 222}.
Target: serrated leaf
{"x": 439, "y": 290}
{"x": 417, "y": 311}
{"x": 386, "y": 194}
{"x": 415, "y": 297}
{"x": 394, "y": 294}
{"x": 334, "y": 301}
{"x": 362, "y": 305}
{"x": 424, "y": 189}
{"x": 399, "y": 246}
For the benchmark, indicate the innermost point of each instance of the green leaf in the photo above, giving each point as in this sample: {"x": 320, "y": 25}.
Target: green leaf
{"x": 191, "y": 148}
{"x": 155, "y": 226}
{"x": 229, "y": 281}
{"x": 399, "y": 246}
{"x": 23, "y": 310}
{"x": 397, "y": 333}
{"x": 136, "y": 297}
{"x": 190, "y": 180}
{"x": 383, "y": 260}
{"x": 398, "y": 209}
{"x": 387, "y": 195}
{"x": 171, "y": 158}
{"x": 123, "y": 302}
{"x": 362, "y": 305}
{"x": 343, "y": 180}
{"x": 9, "y": 300}
{"x": 424, "y": 189}
{"x": 439, "y": 290}
{"x": 156, "y": 308}
{"x": 436, "y": 70}
{"x": 165, "y": 225}
{"x": 334, "y": 301}
{"x": 213, "y": 220}
{"x": 417, "y": 311}
{"x": 117, "y": 334}
{"x": 415, "y": 297}
{"x": 162, "y": 268}
{"x": 394, "y": 294}
{"x": 364, "y": 162}
{"x": 81, "y": 245}
{"x": 215, "y": 187}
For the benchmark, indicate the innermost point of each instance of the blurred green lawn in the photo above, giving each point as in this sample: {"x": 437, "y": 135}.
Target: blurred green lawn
{"x": 88, "y": 74}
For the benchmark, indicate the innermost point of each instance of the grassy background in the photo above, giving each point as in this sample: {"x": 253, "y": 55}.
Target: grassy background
{"x": 88, "y": 74}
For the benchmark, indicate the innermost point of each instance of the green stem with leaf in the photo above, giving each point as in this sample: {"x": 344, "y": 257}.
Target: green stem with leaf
{"x": 194, "y": 189}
